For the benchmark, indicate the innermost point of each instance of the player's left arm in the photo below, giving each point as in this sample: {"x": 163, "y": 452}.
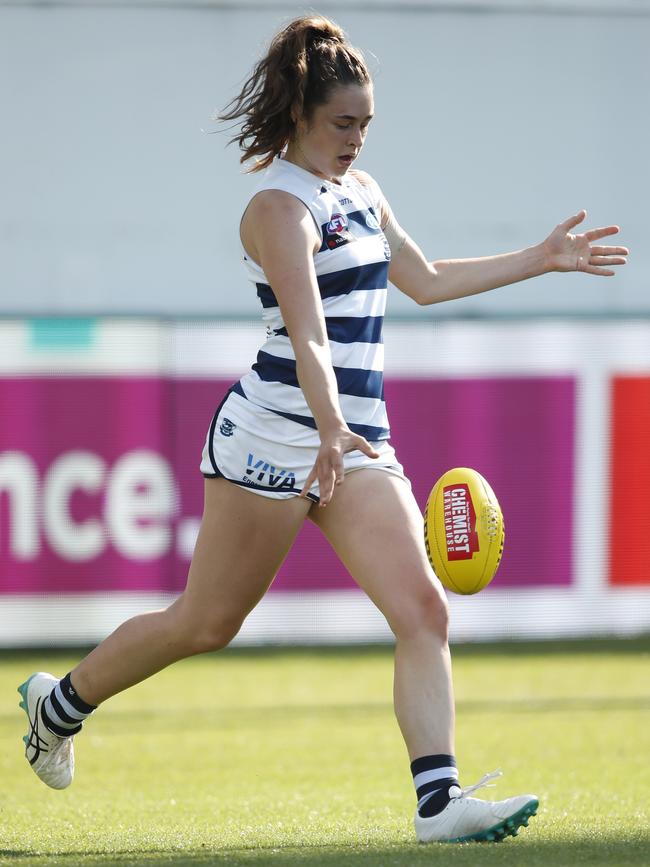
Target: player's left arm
{"x": 446, "y": 279}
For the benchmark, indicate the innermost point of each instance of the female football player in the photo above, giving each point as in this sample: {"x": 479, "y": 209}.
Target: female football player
{"x": 304, "y": 434}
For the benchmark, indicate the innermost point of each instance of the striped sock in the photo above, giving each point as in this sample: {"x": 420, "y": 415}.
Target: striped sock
{"x": 63, "y": 711}
{"x": 433, "y": 776}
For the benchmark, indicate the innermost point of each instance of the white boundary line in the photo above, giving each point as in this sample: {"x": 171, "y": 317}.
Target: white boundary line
{"x": 332, "y": 617}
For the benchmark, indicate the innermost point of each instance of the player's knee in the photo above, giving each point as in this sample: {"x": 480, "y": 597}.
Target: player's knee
{"x": 199, "y": 629}
{"x": 436, "y": 617}
{"x": 425, "y": 614}
{"x": 214, "y": 634}
{"x": 201, "y": 632}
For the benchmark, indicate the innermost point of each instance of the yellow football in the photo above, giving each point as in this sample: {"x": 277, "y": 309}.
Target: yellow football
{"x": 463, "y": 531}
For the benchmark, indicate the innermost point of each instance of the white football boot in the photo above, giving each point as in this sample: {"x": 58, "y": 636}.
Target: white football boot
{"x": 465, "y": 819}
{"x": 51, "y": 757}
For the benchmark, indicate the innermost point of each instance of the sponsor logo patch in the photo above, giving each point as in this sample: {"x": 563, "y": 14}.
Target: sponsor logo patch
{"x": 262, "y": 472}
{"x": 460, "y": 523}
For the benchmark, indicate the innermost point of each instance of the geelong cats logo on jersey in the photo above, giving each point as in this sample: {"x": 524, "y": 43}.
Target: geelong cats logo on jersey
{"x": 371, "y": 221}
{"x": 227, "y": 428}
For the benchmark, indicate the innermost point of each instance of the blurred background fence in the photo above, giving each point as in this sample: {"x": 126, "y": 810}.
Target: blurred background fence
{"x": 124, "y": 314}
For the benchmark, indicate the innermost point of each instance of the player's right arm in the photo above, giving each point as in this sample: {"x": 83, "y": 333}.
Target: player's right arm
{"x": 279, "y": 233}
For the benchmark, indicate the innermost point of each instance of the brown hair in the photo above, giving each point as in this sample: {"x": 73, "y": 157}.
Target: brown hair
{"x": 304, "y": 63}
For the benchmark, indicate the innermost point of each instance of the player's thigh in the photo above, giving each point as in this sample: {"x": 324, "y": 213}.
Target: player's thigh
{"x": 242, "y": 541}
{"x": 376, "y": 527}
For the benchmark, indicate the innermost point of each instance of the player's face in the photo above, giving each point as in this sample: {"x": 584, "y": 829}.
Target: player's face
{"x": 331, "y": 140}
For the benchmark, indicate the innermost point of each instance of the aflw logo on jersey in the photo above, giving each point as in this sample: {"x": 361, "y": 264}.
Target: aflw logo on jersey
{"x": 460, "y": 523}
{"x": 337, "y": 224}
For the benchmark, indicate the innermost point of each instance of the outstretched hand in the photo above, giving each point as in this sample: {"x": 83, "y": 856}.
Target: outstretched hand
{"x": 568, "y": 252}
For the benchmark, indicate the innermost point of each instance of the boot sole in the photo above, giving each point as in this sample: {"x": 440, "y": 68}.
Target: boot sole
{"x": 507, "y": 828}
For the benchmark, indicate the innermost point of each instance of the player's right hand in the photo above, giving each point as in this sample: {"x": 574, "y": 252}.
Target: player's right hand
{"x": 328, "y": 468}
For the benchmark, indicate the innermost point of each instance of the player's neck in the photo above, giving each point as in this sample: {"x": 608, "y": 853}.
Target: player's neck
{"x": 295, "y": 154}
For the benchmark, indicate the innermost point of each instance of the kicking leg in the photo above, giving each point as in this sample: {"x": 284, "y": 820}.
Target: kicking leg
{"x": 376, "y": 527}
{"x": 383, "y": 549}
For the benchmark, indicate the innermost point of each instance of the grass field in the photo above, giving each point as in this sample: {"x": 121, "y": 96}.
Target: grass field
{"x": 293, "y": 757}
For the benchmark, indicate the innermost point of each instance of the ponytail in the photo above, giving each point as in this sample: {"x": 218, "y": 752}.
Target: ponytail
{"x": 304, "y": 63}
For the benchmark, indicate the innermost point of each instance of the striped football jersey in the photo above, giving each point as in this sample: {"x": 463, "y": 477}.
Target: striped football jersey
{"x": 352, "y": 272}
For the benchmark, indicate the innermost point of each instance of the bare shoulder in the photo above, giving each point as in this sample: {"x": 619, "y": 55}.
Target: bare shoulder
{"x": 274, "y": 204}
{"x": 369, "y": 183}
{"x": 363, "y": 177}
{"x": 273, "y": 216}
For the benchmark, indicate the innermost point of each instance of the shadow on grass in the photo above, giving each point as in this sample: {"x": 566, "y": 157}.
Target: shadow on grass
{"x": 601, "y": 850}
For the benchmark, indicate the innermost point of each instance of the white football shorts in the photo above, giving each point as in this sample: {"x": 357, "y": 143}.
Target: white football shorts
{"x": 249, "y": 446}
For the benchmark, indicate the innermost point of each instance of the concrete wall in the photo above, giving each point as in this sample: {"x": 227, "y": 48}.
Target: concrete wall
{"x": 494, "y": 122}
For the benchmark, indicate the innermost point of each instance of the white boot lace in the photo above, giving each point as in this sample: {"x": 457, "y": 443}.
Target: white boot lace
{"x": 457, "y": 792}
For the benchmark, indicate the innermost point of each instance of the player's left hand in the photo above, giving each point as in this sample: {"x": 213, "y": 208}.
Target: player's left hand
{"x": 568, "y": 252}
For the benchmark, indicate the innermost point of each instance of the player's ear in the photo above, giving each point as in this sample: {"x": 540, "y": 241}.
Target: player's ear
{"x": 300, "y": 123}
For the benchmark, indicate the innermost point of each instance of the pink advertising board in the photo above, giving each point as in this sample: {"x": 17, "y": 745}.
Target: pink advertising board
{"x": 100, "y": 488}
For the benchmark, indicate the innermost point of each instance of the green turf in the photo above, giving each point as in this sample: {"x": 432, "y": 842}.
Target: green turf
{"x": 294, "y": 758}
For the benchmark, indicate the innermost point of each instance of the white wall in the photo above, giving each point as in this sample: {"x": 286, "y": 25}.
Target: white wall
{"x": 491, "y": 126}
